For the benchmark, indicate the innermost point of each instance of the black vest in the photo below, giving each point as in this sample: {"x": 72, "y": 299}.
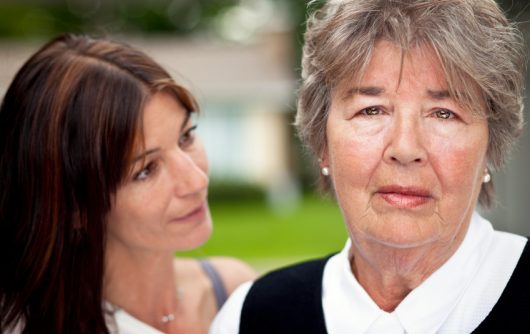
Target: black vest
{"x": 289, "y": 301}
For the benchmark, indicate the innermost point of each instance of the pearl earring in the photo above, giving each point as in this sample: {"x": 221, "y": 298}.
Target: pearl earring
{"x": 325, "y": 171}
{"x": 487, "y": 177}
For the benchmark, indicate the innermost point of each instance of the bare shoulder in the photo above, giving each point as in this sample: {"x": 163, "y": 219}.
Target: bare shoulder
{"x": 233, "y": 272}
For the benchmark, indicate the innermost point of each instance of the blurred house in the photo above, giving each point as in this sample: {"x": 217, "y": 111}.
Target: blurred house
{"x": 245, "y": 90}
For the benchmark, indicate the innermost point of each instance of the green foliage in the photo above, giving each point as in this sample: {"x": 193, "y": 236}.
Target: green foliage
{"x": 26, "y": 20}
{"x": 50, "y": 18}
{"x": 266, "y": 239}
{"x": 221, "y": 192}
{"x": 45, "y": 18}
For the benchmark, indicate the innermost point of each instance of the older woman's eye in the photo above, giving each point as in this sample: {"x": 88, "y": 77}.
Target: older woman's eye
{"x": 444, "y": 114}
{"x": 187, "y": 138}
{"x": 371, "y": 111}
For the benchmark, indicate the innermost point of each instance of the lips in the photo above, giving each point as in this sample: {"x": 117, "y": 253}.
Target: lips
{"x": 404, "y": 197}
{"x": 196, "y": 214}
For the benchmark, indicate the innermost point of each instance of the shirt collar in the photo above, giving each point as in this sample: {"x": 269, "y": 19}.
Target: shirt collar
{"x": 349, "y": 309}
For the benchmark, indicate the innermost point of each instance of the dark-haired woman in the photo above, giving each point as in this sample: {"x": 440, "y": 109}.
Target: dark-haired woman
{"x": 102, "y": 180}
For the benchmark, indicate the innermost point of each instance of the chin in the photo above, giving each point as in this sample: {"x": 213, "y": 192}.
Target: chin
{"x": 403, "y": 242}
{"x": 402, "y": 237}
{"x": 197, "y": 237}
{"x": 401, "y": 231}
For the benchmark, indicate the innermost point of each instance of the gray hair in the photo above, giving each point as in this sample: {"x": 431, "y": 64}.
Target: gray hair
{"x": 481, "y": 52}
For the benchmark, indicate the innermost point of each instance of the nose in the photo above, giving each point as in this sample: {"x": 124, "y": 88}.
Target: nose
{"x": 405, "y": 144}
{"x": 188, "y": 174}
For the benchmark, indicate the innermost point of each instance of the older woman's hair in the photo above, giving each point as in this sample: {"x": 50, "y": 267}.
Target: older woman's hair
{"x": 482, "y": 55}
{"x": 68, "y": 125}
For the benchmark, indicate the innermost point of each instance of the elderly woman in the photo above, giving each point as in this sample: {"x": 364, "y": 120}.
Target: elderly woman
{"x": 407, "y": 105}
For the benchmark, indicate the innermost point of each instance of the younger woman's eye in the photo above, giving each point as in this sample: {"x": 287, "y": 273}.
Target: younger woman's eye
{"x": 145, "y": 172}
{"x": 444, "y": 114}
{"x": 371, "y": 111}
{"x": 187, "y": 138}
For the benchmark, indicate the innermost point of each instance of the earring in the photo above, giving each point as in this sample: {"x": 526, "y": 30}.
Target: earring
{"x": 325, "y": 171}
{"x": 487, "y": 177}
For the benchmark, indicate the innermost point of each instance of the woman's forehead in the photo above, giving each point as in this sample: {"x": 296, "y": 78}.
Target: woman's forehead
{"x": 389, "y": 61}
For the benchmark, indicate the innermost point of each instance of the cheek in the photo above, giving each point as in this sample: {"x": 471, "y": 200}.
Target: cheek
{"x": 354, "y": 161}
{"x": 458, "y": 163}
{"x": 135, "y": 211}
{"x": 354, "y": 156}
{"x": 123, "y": 214}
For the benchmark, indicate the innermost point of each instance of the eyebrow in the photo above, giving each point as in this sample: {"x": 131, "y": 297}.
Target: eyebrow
{"x": 145, "y": 154}
{"x": 369, "y": 91}
{"x": 154, "y": 150}
{"x": 377, "y": 91}
{"x": 438, "y": 94}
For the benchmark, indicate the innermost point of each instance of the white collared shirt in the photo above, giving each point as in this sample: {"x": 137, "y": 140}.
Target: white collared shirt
{"x": 121, "y": 322}
{"x": 454, "y": 299}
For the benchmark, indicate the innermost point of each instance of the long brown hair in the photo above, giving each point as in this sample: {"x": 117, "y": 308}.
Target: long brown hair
{"x": 68, "y": 124}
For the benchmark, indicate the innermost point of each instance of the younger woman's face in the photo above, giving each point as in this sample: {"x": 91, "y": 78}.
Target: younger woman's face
{"x": 162, "y": 205}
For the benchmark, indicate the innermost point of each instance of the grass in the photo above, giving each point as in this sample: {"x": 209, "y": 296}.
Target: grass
{"x": 266, "y": 239}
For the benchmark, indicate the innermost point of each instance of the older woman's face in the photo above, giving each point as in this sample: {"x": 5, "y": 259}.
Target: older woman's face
{"x": 406, "y": 161}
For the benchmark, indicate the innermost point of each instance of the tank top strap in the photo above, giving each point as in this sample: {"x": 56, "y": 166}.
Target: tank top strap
{"x": 218, "y": 286}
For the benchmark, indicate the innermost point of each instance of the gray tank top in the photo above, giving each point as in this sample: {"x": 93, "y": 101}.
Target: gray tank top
{"x": 217, "y": 283}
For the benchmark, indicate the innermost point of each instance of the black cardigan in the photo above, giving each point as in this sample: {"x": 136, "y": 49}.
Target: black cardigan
{"x": 289, "y": 301}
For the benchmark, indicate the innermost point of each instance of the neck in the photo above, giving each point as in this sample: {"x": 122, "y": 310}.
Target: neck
{"x": 388, "y": 274}
{"x": 140, "y": 282}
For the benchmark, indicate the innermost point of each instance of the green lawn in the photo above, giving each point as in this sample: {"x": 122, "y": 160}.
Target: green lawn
{"x": 251, "y": 231}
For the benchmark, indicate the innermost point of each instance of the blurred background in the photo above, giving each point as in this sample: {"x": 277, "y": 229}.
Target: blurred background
{"x": 241, "y": 60}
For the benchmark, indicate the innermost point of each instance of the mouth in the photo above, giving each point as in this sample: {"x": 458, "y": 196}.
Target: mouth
{"x": 403, "y": 197}
{"x": 196, "y": 214}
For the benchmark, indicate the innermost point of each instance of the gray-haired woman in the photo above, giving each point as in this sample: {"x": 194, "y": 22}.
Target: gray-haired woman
{"x": 407, "y": 105}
